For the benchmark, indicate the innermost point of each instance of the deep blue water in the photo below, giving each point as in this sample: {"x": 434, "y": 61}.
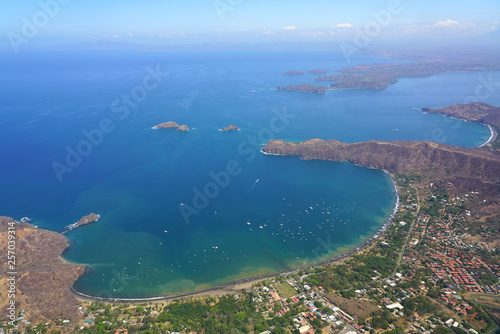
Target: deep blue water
{"x": 139, "y": 179}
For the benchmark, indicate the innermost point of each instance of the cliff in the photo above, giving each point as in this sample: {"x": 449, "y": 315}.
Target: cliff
{"x": 43, "y": 279}
{"x": 436, "y": 160}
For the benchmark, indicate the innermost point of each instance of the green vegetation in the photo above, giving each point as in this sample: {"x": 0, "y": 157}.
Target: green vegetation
{"x": 285, "y": 290}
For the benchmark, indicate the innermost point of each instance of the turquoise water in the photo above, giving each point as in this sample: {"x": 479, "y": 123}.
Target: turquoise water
{"x": 269, "y": 215}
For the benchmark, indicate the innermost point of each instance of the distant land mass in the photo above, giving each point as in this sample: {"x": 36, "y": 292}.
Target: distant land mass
{"x": 305, "y": 88}
{"x": 359, "y": 81}
{"x": 183, "y": 128}
{"x": 43, "y": 278}
{"x": 230, "y": 127}
{"x": 318, "y": 72}
{"x": 292, "y": 73}
{"x": 381, "y": 75}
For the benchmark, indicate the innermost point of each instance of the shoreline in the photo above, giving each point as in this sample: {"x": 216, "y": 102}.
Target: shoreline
{"x": 231, "y": 287}
{"x": 240, "y": 285}
{"x": 493, "y": 132}
{"x": 492, "y": 138}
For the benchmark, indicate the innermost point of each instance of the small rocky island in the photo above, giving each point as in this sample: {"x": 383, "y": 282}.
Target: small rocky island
{"x": 230, "y": 127}
{"x": 88, "y": 219}
{"x": 167, "y": 125}
{"x": 292, "y": 73}
{"x": 171, "y": 125}
{"x": 305, "y": 88}
{"x": 92, "y": 218}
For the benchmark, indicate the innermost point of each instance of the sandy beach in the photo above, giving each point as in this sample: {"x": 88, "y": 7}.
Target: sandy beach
{"x": 492, "y": 138}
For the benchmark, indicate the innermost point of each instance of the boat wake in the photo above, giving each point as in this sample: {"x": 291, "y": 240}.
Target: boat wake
{"x": 250, "y": 189}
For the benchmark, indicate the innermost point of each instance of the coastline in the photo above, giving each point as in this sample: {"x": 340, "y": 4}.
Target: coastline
{"x": 493, "y": 132}
{"x": 492, "y": 138}
{"x": 246, "y": 283}
{"x": 234, "y": 286}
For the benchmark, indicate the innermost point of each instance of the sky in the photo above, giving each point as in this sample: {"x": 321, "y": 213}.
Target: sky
{"x": 164, "y": 21}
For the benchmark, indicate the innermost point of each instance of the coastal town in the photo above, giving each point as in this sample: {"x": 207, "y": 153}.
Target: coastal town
{"x": 434, "y": 269}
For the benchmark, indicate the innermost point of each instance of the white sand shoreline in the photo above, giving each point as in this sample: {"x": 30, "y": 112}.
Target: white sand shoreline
{"x": 492, "y": 137}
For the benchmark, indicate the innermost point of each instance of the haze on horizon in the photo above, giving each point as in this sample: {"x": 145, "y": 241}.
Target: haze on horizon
{"x": 35, "y": 24}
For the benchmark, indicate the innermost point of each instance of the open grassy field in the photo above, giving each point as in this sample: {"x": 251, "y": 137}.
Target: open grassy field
{"x": 285, "y": 290}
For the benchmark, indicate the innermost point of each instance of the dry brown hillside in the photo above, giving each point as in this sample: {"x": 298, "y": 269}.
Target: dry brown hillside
{"x": 43, "y": 278}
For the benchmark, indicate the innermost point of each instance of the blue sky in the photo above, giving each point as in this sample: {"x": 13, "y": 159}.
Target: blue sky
{"x": 165, "y": 21}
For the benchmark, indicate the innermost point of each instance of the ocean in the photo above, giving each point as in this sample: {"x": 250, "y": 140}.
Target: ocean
{"x": 186, "y": 211}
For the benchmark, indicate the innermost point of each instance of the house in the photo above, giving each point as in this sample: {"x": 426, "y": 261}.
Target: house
{"x": 395, "y": 305}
